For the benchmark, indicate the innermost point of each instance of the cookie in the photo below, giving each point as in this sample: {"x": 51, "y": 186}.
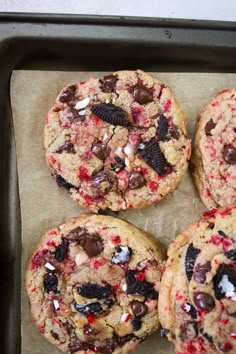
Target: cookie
{"x": 118, "y": 142}
{"x": 214, "y": 154}
{"x": 197, "y": 300}
{"x": 93, "y": 285}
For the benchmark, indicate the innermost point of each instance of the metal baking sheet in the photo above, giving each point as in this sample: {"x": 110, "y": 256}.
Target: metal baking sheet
{"x": 82, "y": 43}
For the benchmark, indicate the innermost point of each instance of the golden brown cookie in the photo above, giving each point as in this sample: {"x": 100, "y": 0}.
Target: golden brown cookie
{"x": 93, "y": 285}
{"x": 118, "y": 142}
{"x": 214, "y": 154}
{"x": 197, "y": 300}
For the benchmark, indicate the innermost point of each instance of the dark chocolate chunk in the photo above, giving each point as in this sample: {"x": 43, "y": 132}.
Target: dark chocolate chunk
{"x": 102, "y": 181}
{"x": 142, "y": 94}
{"x": 111, "y": 114}
{"x": 92, "y": 244}
{"x": 55, "y": 335}
{"x": 143, "y": 287}
{"x": 136, "y": 324}
{"x": 61, "y": 251}
{"x": 76, "y": 115}
{"x": 190, "y": 309}
{"x": 164, "y": 332}
{"x": 209, "y": 126}
{"x": 88, "y": 309}
{"x": 173, "y": 131}
{"x": 221, "y": 233}
{"x": 118, "y": 165}
{"x": 50, "y": 283}
{"x": 152, "y": 155}
{"x": 101, "y": 151}
{"x": 108, "y": 83}
{"x": 203, "y": 301}
{"x": 61, "y": 182}
{"x": 229, "y": 154}
{"x": 68, "y": 94}
{"x": 109, "y": 346}
{"x": 93, "y": 290}
{"x": 121, "y": 255}
{"x": 226, "y": 277}
{"x": 190, "y": 259}
{"x": 200, "y": 272}
{"x": 206, "y": 335}
{"x": 231, "y": 255}
{"x": 68, "y": 327}
{"x": 75, "y": 235}
{"x": 88, "y": 329}
{"x": 77, "y": 345}
{"x": 162, "y": 129}
{"x": 136, "y": 180}
{"x": 211, "y": 225}
{"x": 139, "y": 308}
{"x": 190, "y": 330}
{"x": 67, "y": 147}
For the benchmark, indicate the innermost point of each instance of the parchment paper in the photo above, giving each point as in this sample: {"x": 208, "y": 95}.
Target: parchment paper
{"x": 44, "y": 205}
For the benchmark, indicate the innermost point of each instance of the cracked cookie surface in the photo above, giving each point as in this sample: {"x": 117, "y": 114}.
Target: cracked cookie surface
{"x": 214, "y": 154}
{"x": 197, "y": 300}
{"x": 118, "y": 142}
{"x": 93, "y": 285}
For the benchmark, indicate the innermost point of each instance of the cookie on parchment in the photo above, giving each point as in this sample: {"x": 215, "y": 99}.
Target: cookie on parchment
{"x": 93, "y": 285}
{"x": 118, "y": 142}
{"x": 214, "y": 153}
{"x": 197, "y": 300}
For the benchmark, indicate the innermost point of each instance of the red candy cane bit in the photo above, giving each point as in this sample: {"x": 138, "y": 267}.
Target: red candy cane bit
{"x": 233, "y": 335}
{"x": 226, "y": 347}
{"x": 41, "y": 328}
{"x": 210, "y": 213}
{"x": 91, "y": 318}
{"x": 116, "y": 287}
{"x": 52, "y": 232}
{"x": 83, "y": 173}
{"x": 116, "y": 240}
{"x": 153, "y": 186}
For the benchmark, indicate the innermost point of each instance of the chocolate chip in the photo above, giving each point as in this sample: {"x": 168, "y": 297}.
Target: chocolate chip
{"x": 136, "y": 324}
{"x": 121, "y": 255}
{"x": 67, "y": 147}
{"x": 50, "y": 283}
{"x": 229, "y": 154}
{"x": 136, "y": 180}
{"x": 92, "y": 244}
{"x": 68, "y": 94}
{"x": 165, "y": 332}
{"x": 110, "y": 113}
{"x": 203, "y": 301}
{"x": 124, "y": 339}
{"x": 102, "y": 182}
{"x": 200, "y": 272}
{"x": 209, "y": 126}
{"x": 143, "y": 287}
{"x": 61, "y": 251}
{"x": 224, "y": 281}
{"x": 75, "y": 234}
{"x": 190, "y": 259}
{"x": 61, "y": 182}
{"x": 55, "y": 335}
{"x": 162, "y": 129}
{"x": 221, "y": 233}
{"x": 173, "y": 131}
{"x": 77, "y": 345}
{"x": 101, "y": 151}
{"x": 211, "y": 225}
{"x": 142, "y": 94}
{"x": 152, "y": 155}
{"x": 88, "y": 329}
{"x": 93, "y": 290}
{"x": 231, "y": 255}
{"x": 190, "y": 330}
{"x": 108, "y": 83}
{"x": 76, "y": 115}
{"x": 118, "y": 165}
{"x": 139, "y": 309}
{"x": 88, "y": 309}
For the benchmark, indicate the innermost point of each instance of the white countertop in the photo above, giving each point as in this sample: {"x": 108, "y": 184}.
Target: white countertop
{"x": 189, "y": 9}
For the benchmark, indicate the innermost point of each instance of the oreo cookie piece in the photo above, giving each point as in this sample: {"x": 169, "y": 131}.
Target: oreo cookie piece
{"x": 117, "y": 142}
{"x": 190, "y": 259}
{"x": 82, "y": 288}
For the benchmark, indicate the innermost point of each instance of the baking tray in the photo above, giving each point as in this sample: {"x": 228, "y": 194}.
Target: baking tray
{"x": 86, "y": 43}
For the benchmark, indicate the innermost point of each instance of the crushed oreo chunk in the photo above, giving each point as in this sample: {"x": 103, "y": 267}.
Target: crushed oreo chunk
{"x": 61, "y": 182}
{"x": 77, "y": 345}
{"x": 206, "y": 335}
{"x": 50, "y": 283}
{"x": 61, "y": 251}
{"x": 162, "y": 129}
{"x": 136, "y": 324}
{"x": 111, "y": 114}
{"x": 165, "y": 332}
{"x": 93, "y": 290}
{"x": 139, "y": 287}
{"x": 88, "y": 309}
{"x": 224, "y": 282}
{"x": 190, "y": 259}
{"x": 231, "y": 255}
{"x": 108, "y": 83}
{"x": 118, "y": 164}
{"x": 152, "y": 155}
{"x": 121, "y": 255}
